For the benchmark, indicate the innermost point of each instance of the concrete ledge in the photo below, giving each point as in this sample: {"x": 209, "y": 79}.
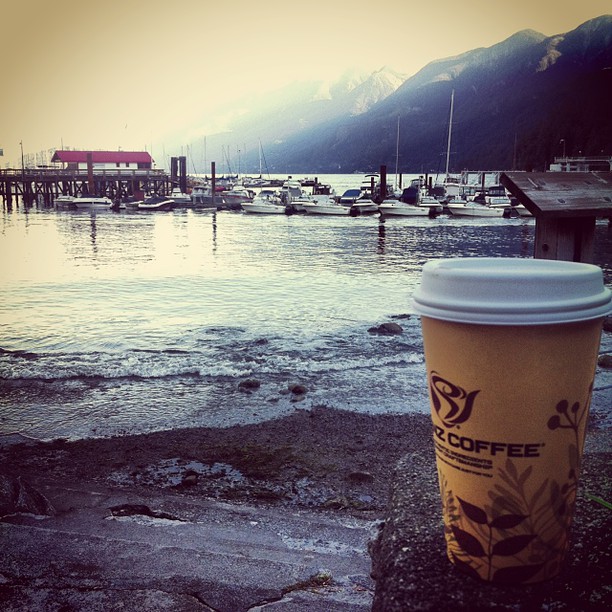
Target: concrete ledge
{"x": 412, "y": 571}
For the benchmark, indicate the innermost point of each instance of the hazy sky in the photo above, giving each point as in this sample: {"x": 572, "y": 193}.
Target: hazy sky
{"x": 129, "y": 73}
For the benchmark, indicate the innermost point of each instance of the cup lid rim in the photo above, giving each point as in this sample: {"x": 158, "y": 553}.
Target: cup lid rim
{"x": 511, "y": 291}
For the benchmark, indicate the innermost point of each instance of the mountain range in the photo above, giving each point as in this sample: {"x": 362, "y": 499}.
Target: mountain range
{"x": 516, "y": 105}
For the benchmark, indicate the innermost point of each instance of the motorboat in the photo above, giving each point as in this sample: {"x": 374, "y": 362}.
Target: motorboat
{"x": 510, "y": 208}
{"x": 397, "y": 208}
{"x": 417, "y": 196}
{"x": 236, "y": 196}
{"x": 154, "y": 203}
{"x": 430, "y": 203}
{"x": 358, "y": 201}
{"x": 350, "y": 196}
{"x": 180, "y": 197}
{"x": 450, "y": 186}
{"x": 202, "y": 197}
{"x": 92, "y": 203}
{"x": 64, "y": 202}
{"x": 370, "y": 186}
{"x": 470, "y": 208}
{"x": 325, "y": 205}
{"x": 364, "y": 206}
{"x": 293, "y": 196}
{"x": 497, "y": 197}
{"x": 131, "y": 202}
{"x": 267, "y": 202}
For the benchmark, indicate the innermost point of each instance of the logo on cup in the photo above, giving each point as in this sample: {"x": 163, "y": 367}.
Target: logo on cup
{"x": 452, "y": 404}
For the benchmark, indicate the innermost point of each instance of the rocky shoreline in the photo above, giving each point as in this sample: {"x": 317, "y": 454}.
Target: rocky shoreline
{"x": 342, "y": 465}
{"x": 323, "y": 459}
{"x": 370, "y": 477}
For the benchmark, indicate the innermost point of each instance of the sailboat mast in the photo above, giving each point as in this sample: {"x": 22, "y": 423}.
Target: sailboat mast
{"x": 397, "y": 151}
{"x": 260, "y": 174}
{"x": 450, "y": 130}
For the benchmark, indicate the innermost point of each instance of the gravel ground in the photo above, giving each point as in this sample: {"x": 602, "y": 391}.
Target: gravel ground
{"x": 340, "y": 464}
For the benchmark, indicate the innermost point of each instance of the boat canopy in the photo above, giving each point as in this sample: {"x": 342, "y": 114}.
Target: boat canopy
{"x": 350, "y": 195}
{"x": 410, "y": 195}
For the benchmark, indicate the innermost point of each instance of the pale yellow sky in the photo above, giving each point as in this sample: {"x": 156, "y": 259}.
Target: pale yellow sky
{"x": 129, "y": 73}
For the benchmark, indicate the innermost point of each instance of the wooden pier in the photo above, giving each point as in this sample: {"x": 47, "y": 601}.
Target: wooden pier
{"x": 46, "y": 184}
{"x": 565, "y": 206}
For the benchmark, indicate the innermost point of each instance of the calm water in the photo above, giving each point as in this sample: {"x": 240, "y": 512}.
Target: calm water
{"x": 129, "y": 322}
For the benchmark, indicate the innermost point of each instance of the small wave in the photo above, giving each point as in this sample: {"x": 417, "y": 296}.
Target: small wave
{"x": 19, "y": 354}
{"x": 136, "y": 364}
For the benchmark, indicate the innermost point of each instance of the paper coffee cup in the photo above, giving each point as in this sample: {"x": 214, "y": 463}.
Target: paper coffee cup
{"x": 511, "y": 350}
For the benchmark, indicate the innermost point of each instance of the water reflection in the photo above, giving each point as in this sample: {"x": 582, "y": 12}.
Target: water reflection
{"x": 381, "y": 236}
{"x": 214, "y": 232}
{"x": 94, "y": 246}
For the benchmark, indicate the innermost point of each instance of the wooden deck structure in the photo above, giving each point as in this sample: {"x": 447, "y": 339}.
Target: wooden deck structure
{"x": 46, "y": 184}
{"x": 565, "y": 206}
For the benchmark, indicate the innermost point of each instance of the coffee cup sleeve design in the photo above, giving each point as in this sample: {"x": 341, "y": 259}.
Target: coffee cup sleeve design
{"x": 452, "y": 404}
{"x": 521, "y": 534}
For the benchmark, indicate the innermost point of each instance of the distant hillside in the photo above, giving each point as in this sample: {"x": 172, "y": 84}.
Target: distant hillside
{"x": 514, "y": 103}
{"x": 293, "y": 111}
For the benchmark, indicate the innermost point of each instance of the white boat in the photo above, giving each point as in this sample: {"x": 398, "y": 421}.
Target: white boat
{"x": 359, "y": 201}
{"x": 180, "y": 197}
{"x": 417, "y": 196}
{"x": 430, "y": 203}
{"x": 397, "y": 208}
{"x": 325, "y": 205}
{"x": 510, "y": 209}
{"x": 364, "y": 206}
{"x": 201, "y": 197}
{"x": 497, "y": 197}
{"x": 293, "y": 196}
{"x": 450, "y": 186}
{"x": 266, "y": 202}
{"x": 465, "y": 208}
{"x": 92, "y": 203}
{"x": 236, "y": 196}
{"x": 156, "y": 203}
{"x": 64, "y": 202}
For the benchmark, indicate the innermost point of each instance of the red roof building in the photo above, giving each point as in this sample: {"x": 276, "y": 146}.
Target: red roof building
{"x": 104, "y": 160}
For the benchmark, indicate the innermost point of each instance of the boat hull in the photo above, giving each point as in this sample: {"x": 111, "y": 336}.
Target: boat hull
{"x": 474, "y": 210}
{"x": 92, "y": 203}
{"x": 263, "y": 209}
{"x": 401, "y": 209}
{"x": 366, "y": 207}
{"x": 153, "y": 206}
{"x": 315, "y": 208}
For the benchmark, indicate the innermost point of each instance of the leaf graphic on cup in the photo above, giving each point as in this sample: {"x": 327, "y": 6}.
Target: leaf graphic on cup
{"x": 452, "y": 404}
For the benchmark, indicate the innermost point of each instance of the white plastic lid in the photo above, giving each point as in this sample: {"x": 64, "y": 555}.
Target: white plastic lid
{"x": 506, "y": 291}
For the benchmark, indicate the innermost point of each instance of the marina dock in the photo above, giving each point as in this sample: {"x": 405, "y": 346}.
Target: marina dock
{"x": 46, "y": 184}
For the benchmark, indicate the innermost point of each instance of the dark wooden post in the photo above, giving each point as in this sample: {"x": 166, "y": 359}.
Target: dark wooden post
{"x": 90, "y": 176}
{"x": 213, "y": 184}
{"x": 183, "y": 173}
{"x": 565, "y": 206}
{"x": 383, "y": 183}
{"x": 9, "y": 193}
{"x": 173, "y": 170}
